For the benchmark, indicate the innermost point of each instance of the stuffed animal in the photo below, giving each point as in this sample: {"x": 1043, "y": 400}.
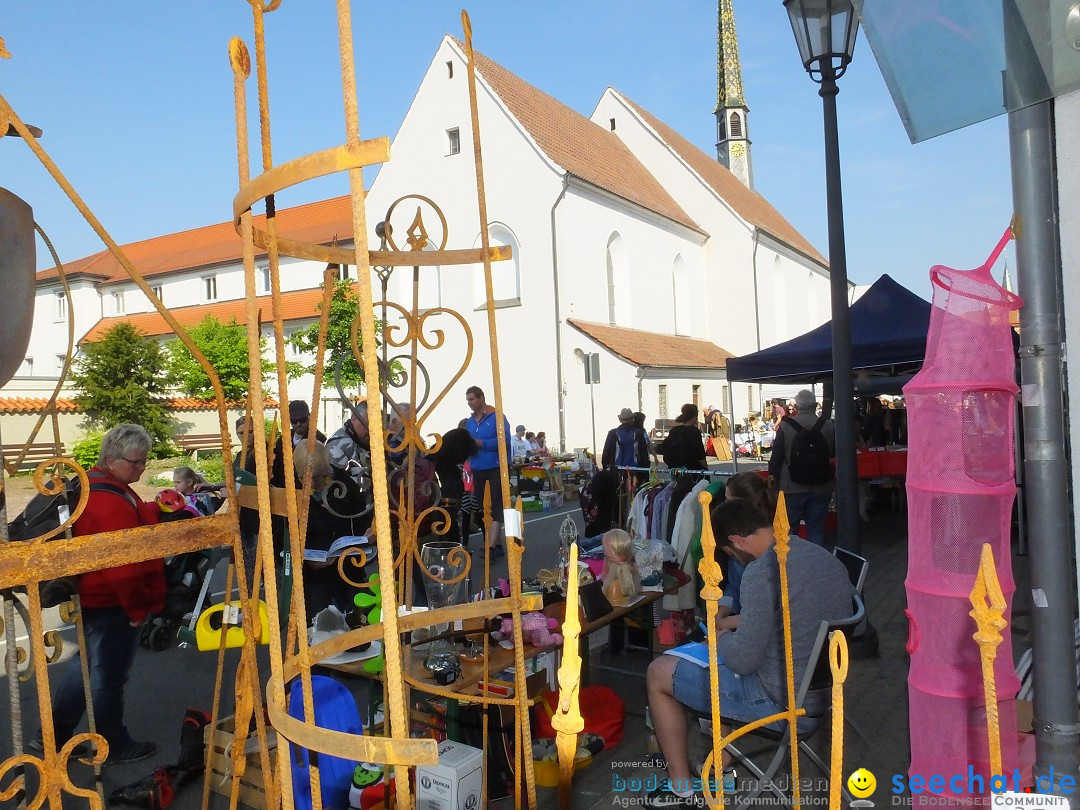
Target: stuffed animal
{"x": 535, "y": 629}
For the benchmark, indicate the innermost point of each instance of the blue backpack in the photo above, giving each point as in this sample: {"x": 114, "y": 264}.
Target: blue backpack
{"x": 335, "y": 709}
{"x": 626, "y": 448}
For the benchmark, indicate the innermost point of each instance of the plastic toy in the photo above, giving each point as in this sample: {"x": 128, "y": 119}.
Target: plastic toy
{"x": 535, "y": 629}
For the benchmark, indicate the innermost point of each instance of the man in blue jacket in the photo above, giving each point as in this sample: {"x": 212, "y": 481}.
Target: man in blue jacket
{"x": 483, "y": 428}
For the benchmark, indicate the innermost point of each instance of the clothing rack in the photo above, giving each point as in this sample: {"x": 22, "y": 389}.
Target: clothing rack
{"x": 628, "y": 487}
{"x": 673, "y": 470}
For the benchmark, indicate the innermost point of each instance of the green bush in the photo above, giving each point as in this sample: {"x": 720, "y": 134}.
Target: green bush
{"x": 212, "y": 469}
{"x": 87, "y": 450}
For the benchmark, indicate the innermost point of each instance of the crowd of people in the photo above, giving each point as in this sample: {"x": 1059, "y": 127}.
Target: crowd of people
{"x": 462, "y": 475}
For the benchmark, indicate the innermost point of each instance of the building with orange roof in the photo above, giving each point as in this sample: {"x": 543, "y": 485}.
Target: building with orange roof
{"x": 628, "y": 242}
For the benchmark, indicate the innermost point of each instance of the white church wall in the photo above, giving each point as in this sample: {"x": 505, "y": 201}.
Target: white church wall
{"x": 521, "y": 187}
{"x": 793, "y": 298}
{"x": 727, "y": 275}
{"x": 586, "y": 223}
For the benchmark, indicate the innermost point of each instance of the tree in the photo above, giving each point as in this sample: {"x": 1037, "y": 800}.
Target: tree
{"x": 118, "y": 379}
{"x": 344, "y": 309}
{"x": 225, "y": 347}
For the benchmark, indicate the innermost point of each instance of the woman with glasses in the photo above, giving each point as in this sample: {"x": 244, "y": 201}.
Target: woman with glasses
{"x": 114, "y": 600}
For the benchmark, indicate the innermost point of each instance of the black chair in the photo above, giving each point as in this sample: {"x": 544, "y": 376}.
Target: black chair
{"x": 815, "y": 696}
{"x": 856, "y": 566}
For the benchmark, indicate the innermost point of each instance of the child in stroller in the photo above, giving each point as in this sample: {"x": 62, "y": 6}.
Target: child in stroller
{"x": 187, "y": 577}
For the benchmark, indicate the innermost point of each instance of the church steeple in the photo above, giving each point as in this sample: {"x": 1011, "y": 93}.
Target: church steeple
{"x": 732, "y": 141}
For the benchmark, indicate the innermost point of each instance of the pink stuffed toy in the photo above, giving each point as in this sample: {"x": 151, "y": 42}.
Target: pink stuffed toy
{"x": 535, "y": 628}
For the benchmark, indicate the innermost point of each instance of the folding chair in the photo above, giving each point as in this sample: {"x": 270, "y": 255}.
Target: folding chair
{"x": 815, "y": 696}
{"x": 856, "y": 566}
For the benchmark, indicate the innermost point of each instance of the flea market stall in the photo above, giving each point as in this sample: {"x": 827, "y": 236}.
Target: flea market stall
{"x": 889, "y": 324}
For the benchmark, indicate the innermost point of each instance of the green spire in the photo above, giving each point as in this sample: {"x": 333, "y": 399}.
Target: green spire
{"x": 729, "y": 92}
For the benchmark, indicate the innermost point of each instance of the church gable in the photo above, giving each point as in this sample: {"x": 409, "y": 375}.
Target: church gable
{"x": 749, "y": 205}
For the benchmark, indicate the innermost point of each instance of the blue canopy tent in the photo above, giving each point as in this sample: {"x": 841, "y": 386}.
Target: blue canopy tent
{"x": 889, "y": 324}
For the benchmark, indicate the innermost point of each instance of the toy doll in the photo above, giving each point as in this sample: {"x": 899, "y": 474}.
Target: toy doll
{"x": 621, "y": 581}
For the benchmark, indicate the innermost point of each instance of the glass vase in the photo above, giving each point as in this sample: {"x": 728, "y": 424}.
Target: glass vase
{"x": 442, "y": 561}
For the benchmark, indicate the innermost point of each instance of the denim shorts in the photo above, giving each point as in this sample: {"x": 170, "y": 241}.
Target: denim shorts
{"x": 743, "y": 698}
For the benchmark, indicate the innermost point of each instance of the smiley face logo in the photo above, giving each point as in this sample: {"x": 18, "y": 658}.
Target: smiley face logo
{"x": 861, "y": 783}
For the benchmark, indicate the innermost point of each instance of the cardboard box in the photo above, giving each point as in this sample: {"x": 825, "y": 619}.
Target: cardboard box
{"x": 219, "y": 760}
{"x": 453, "y": 784}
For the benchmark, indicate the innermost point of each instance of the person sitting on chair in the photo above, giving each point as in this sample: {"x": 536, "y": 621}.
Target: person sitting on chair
{"x": 751, "y": 671}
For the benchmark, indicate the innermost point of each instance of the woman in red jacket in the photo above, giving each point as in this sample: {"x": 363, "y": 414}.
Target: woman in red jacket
{"x": 114, "y": 600}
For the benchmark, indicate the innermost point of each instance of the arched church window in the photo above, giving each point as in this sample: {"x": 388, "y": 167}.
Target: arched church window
{"x": 505, "y": 276}
{"x": 618, "y": 280}
{"x": 680, "y": 279}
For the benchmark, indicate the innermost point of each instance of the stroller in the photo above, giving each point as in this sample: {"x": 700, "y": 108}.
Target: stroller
{"x": 187, "y": 582}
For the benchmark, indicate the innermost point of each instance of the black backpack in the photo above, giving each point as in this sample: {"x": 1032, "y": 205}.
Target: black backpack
{"x": 42, "y": 515}
{"x": 809, "y": 457}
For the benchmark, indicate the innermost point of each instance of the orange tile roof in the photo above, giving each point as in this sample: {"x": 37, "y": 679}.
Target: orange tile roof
{"x": 16, "y": 405}
{"x": 748, "y": 204}
{"x": 33, "y": 405}
{"x": 654, "y": 349}
{"x": 581, "y": 147}
{"x": 193, "y": 404}
{"x": 318, "y": 222}
{"x": 294, "y": 306}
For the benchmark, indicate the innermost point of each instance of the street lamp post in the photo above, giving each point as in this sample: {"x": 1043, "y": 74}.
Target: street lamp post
{"x": 825, "y": 32}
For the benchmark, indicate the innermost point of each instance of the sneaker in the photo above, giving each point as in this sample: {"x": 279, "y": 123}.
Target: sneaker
{"x": 497, "y": 552}
{"x": 132, "y": 752}
{"x": 664, "y": 797}
{"x": 80, "y": 751}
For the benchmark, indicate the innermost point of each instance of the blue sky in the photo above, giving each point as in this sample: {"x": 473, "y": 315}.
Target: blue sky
{"x": 136, "y": 102}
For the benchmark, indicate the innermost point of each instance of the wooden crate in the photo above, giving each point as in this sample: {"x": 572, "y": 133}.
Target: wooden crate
{"x": 219, "y": 759}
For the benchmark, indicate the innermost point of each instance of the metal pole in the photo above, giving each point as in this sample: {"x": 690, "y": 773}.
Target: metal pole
{"x": 1046, "y": 471}
{"x": 592, "y": 407}
{"x": 847, "y": 480}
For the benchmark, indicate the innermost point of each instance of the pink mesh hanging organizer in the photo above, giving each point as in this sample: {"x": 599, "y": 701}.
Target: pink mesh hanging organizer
{"x": 960, "y": 488}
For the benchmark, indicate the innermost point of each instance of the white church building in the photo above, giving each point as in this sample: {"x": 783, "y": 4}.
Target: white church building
{"x": 628, "y": 241}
